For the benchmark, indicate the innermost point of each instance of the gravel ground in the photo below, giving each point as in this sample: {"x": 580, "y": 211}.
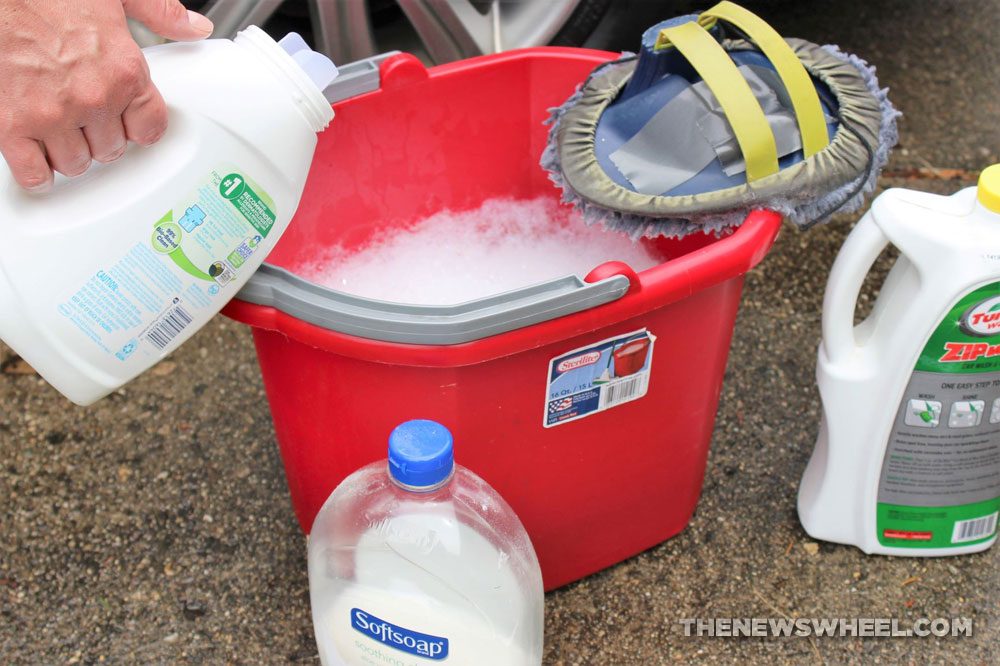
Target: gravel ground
{"x": 156, "y": 527}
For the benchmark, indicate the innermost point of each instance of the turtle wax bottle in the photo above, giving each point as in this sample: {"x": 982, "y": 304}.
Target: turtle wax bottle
{"x": 416, "y": 560}
{"x": 907, "y": 461}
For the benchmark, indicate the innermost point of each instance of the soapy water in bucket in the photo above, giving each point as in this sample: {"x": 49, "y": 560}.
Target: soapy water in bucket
{"x": 451, "y": 258}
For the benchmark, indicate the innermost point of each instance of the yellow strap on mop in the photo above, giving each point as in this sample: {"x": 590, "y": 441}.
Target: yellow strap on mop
{"x": 798, "y": 83}
{"x": 717, "y": 70}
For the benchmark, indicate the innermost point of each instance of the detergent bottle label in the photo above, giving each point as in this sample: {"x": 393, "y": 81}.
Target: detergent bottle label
{"x": 940, "y": 480}
{"x": 591, "y": 379}
{"x": 142, "y": 303}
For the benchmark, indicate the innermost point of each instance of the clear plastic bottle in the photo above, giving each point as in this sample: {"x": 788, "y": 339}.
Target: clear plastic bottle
{"x": 418, "y": 560}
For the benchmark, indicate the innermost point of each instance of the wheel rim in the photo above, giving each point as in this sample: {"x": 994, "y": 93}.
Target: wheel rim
{"x": 436, "y": 30}
{"x": 454, "y": 29}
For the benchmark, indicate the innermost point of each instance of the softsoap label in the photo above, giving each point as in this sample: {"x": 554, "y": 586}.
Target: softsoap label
{"x": 940, "y": 480}
{"x": 400, "y": 638}
{"x": 143, "y": 303}
{"x": 591, "y": 379}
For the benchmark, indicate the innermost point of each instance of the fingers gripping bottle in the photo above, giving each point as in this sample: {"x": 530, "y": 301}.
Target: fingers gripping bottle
{"x": 418, "y": 561}
{"x": 907, "y": 461}
{"x": 106, "y": 274}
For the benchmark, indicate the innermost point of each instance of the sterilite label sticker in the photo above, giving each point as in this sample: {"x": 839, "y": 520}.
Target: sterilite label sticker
{"x": 591, "y": 379}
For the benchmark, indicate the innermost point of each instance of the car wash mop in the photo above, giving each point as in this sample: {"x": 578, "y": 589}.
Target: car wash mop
{"x": 718, "y": 115}
{"x": 907, "y": 461}
{"x": 106, "y": 274}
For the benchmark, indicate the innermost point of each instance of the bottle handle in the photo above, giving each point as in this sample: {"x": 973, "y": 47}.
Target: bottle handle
{"x": 859, "y": 252}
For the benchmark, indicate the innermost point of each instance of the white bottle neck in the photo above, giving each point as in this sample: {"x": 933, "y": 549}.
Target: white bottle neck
{"x": 304, "y": 92}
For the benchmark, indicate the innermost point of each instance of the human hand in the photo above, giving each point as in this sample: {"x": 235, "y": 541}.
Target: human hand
{"x": 74, "y": 84}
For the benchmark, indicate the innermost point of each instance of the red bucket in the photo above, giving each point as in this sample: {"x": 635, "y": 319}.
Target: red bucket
{"x": 596, "y": 474}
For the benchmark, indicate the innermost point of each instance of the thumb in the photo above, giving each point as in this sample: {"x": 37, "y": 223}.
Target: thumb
{"x": 169, "y": 18}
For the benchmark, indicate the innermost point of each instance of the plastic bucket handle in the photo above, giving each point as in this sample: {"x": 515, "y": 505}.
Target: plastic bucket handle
{"x": 427, "y": 324}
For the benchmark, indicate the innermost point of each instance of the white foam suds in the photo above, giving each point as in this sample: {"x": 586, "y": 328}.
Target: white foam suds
{"x": 452, "y": 258}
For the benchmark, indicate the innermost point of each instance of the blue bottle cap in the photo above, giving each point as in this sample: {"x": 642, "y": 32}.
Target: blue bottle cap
{"x": 421, "y": 454}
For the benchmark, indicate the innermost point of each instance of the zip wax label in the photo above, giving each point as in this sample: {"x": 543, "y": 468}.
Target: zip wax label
{"x": 940, "y": 480}
{"x": 143, "y": 304}
{"x": 597, "y": 377}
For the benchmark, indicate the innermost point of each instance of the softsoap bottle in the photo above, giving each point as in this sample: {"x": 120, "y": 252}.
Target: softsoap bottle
{"x": 416, "y": 560}
{"x": 104, "y": 275}
{"x": 907, "y": 461}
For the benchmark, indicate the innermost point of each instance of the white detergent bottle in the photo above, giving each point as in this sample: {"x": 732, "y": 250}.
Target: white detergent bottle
{"x": 418, "y": 561}
{"x": 104, "y": 275}
{"x": 908, "y": 456}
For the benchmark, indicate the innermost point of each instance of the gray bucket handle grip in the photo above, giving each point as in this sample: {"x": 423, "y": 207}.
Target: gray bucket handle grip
{"x": 276, "y": 287}
{"x": 356, "y": 78}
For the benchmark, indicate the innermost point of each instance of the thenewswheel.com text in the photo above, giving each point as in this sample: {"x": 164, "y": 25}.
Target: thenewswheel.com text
{"x": 868, "y": 627}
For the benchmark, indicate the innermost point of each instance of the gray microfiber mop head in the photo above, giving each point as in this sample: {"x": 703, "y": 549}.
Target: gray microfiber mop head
{"x": 837, "y": 179}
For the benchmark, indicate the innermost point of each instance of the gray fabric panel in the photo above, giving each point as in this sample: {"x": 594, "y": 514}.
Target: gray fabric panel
{"x": 665, "y": 153}
{"x": 717, "y": 130}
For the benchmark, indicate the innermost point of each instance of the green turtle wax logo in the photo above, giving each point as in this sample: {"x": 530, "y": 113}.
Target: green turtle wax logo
{"x": 967, "y": 339}
{"x": 982, "y": 319}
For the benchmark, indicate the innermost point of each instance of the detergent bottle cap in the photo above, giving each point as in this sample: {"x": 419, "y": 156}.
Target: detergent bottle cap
{"x": 421, "y": 455}
{"x": 988, "y": 191}
{"x": 306, "y": 73}
{"x": 317, "y": 66}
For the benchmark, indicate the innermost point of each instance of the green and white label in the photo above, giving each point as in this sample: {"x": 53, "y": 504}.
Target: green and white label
{"x": 144, "y": 302}
{"x": 252, "y": 203}
{"x": 940, "y": 480}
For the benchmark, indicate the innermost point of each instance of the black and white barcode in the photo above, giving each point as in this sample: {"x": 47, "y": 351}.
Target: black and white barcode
{"x": 169, "y": 327}
{"x": 623, "y": 391}
{"x": 975, "y": 528}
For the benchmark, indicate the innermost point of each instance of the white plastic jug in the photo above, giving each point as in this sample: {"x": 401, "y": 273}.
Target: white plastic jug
{"x": 105, "y": 274}
{"x": 907, "y": 461}
{"x": 417, "y": 560}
